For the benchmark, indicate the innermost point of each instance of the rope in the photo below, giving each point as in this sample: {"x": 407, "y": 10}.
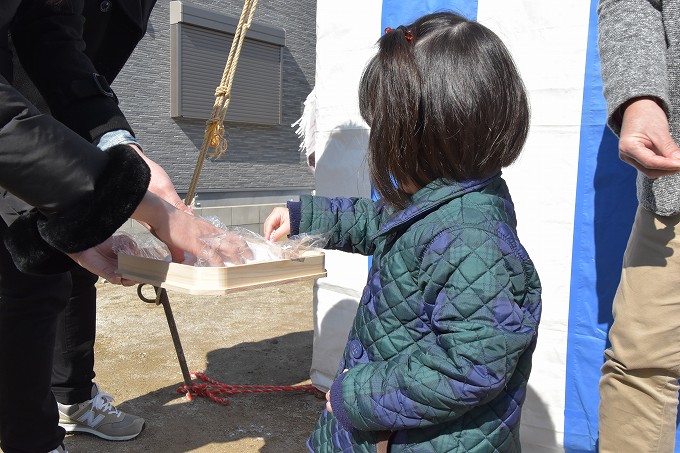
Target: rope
{"x": 214, "y": 138}
{"x": 214, "y": 132}
{"x": 212, "y": 388}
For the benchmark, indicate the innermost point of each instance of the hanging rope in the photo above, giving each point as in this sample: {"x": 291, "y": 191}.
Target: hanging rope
{"x": 214, "y": 131}
{"x": 214, "y": 138}
{"x": 212, "y": 388}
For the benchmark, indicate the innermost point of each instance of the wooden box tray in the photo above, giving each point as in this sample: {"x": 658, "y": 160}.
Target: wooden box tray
{"x": 220, "y": 280}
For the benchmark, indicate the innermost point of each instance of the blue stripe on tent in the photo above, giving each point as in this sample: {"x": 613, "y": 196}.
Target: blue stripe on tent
{"x": 399, "y": 12}
{"x": 604, "y": 212}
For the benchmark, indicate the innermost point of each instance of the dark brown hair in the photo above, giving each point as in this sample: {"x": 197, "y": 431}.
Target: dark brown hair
{"x": 443, "y": 99}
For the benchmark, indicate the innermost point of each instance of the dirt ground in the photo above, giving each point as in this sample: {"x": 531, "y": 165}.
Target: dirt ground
{"x": 261, "y": 336}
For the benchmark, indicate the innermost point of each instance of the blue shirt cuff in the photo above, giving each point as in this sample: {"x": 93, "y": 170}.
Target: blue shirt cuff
{"x": 294, "y": 213}
{"x": 117, "y": 137}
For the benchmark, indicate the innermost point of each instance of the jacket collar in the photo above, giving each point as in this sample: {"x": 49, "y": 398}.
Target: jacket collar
{"x": 430, "y": 198}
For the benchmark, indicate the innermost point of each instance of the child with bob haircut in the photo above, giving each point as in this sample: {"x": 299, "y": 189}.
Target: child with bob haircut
{"x": 440, "y": 349}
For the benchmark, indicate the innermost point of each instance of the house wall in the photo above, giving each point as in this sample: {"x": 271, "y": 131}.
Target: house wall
{"x": 263, "y": 164}
{"x": 250, "y": 217}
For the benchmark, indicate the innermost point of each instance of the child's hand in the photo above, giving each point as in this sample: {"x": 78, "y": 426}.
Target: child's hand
{"x": 277, "y": 224}
{"x": 328, "y": 396}
{"x": 328, "y": 401}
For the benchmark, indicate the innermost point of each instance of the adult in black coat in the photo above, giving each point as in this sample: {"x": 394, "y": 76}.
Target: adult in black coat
{"x": 87, "y": 105}
{"x": 81, "y": 196}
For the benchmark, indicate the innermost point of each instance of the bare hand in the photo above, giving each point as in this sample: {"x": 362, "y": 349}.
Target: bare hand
{"x": 328, "y": 396}
{"x": 179, "y": 230}
{"x": 225, "y": 247}
{"x": 277, "y": 224}
{"x": 328, "y": 402}
{"x": 183, "y": 232}
{"x": 645, "y": 141}
{"x": 100, "y": 260}
{"x": 161, "y": 184}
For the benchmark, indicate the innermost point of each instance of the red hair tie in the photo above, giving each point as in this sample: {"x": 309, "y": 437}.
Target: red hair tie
{"x": 408, "y": 34}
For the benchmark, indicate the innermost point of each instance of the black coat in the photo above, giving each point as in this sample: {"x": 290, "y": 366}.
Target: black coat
{"x": 94, "y": 40}
{"x": 43, "y": 161}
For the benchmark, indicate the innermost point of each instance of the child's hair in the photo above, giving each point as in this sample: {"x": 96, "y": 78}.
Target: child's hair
{"x": 443, "y": 99}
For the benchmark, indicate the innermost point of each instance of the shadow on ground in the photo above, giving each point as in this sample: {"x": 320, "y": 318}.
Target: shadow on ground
{"x": 261, "y": 337}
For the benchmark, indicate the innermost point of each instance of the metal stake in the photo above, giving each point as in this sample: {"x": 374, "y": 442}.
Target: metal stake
{"x": 162, "y": 299}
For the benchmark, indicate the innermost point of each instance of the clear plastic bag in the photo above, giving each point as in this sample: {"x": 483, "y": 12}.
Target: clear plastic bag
{"x": 259, "y": 249}
{"x": 144, "y": 244}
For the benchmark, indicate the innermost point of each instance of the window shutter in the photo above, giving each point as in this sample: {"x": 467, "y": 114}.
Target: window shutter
{"x": 199, "y": 55}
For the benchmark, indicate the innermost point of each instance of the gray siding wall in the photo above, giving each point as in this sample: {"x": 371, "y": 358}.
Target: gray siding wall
{"x": 262, "y": 162}
{"x": 250, "y": 217}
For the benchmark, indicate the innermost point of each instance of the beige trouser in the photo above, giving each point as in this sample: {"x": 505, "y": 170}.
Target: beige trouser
{"x": 639, "y": 384}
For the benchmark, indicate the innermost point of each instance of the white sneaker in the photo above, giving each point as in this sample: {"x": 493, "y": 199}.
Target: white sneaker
{"x": 100, "y": 418}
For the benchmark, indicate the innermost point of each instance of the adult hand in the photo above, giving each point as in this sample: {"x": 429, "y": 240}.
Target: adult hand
{"x": 179, "y": 230}
{"x": 182, "y": 232}
{"x": 645, "y": 141}
{"x": 277, "y": 224}
{"x": 101, "y": 260}
{"x": 161, "y": 184}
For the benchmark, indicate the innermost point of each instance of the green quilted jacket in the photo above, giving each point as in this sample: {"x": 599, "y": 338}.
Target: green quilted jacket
{"x": 439, "y": 353}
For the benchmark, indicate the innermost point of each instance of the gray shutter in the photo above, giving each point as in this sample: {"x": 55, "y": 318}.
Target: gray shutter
{"x": 199, "y": 56}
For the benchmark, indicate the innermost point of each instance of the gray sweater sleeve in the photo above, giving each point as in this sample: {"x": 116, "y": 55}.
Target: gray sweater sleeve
{"x": 636, "y": 62}
{"x": 632, "y": 46}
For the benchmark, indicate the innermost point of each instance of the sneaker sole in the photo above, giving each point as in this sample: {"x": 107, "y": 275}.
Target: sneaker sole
{"x": 84, "y": 429}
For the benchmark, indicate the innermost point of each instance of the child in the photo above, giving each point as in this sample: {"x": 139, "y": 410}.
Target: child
{"x": 439, "y": 353}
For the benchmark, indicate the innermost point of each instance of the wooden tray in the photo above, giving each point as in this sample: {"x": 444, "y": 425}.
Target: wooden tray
{"x": 220, "y": 280}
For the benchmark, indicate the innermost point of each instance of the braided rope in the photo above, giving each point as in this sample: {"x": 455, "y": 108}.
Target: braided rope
{"x": 214, "y": 132}
{"x": 211, "y": 388}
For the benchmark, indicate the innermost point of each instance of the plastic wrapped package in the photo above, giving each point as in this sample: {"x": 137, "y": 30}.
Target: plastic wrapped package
{"x": 147, "y": 245}
{"x": 145, "y": 259}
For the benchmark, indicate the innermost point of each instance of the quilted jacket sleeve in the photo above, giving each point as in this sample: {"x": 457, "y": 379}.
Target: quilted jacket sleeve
{"x": 483, "y": 297}
{"x": 352, "y": 221}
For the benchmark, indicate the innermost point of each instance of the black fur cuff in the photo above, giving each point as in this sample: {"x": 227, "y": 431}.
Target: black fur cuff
{"x": 32, "y": 238}
{"x": 31, "y": 254}
{"x": 117, "y": 193}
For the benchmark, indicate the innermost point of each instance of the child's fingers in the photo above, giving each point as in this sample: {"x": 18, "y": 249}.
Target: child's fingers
{"x": 278, "y": 234}
{"x": 272, "y": 223}
{"x": 328, "y": 401}
{"x": 277, "y": 224}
